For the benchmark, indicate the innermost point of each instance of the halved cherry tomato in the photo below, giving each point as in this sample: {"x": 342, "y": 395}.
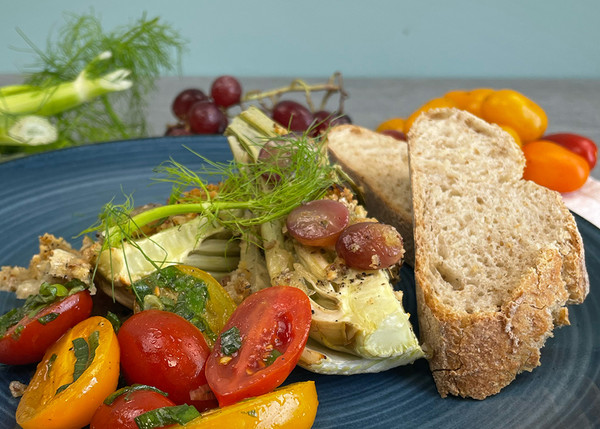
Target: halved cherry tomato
{"x": 260, "y": 344}
{"x": 581, "y": 145}
{"x": 120, "y": 412}
{"x": 70, "y": 383}
{"x": 293, "y": 406}
{"x": 162, "y": 349}
{"x": 27, "y": 341}
{"x": 509, "y": 107}
{"x": 435, "y": 103}
{"x": 318, "y": 223}
{"x": 553, "y": 166}
{"x": 469, "y": 100}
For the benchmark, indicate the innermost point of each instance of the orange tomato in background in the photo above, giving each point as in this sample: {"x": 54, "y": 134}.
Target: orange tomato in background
{"x": 513, "y": 134}
{"x": 470, "y": 100}
{"x": 513, "y": 109}
{"x": 396, "y": 124}
{"x": 551, "y": 165}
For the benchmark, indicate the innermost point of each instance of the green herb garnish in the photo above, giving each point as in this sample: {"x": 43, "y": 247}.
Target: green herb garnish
{"x": 47, "y": 318}
{"x": 160, "y": 417}
{"x": 272, "y": 356}
{"x": 85, "y": 352}
{"x": 231, "y": 341}
{"x": 127, "y": 390}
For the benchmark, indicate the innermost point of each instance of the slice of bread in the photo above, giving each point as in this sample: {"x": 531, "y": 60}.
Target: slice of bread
{"x": 379, "y": 165}
{"x": 498, "y": 258}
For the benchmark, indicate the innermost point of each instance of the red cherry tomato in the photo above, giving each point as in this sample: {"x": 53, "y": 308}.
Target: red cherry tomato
{"x": 580, "y": 145}
{"x": 272, "y": 328}
{"x": 162, "y": 349}
{"x": 27, "y": 341}
{"x": 120, "y": 413}
{"x": 318, "y": 223}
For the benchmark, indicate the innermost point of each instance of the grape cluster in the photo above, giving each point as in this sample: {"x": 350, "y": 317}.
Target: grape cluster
{"x": 199, "y": 113}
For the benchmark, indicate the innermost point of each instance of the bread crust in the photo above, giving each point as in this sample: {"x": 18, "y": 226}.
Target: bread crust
{"x": 478, "y": 352}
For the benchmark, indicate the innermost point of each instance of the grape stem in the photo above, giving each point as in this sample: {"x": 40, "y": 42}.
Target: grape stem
{"x": 332, "y": 86}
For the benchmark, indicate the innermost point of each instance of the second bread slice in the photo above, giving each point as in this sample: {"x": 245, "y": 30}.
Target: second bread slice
{"x": 497, "y": 257}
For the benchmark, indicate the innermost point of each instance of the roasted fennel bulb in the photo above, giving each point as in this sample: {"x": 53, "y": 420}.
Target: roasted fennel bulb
{"x": 359, "y": 324}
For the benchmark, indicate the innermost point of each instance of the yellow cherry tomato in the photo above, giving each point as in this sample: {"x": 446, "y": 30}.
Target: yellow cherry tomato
{"x": 292, "y": 406}
{"x": 53, "y": 399}
{"x": 396, "y": 124}
{"x": 511, "y": 108}
{"x": 431, "y": 104}
{"x": 513, "y": 134}
{"x": 469, "y": 100}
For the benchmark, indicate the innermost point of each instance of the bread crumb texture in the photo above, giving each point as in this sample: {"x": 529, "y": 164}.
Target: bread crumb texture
{"x": 497, "y": 257}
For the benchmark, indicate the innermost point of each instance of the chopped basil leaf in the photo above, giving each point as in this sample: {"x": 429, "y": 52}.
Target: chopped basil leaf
{"x": 169, "y": 289}
{"x": 160, "y": 417}
{"x": 231, "y": 341}
{"x": 272, "y": 356}
{"x": 252, "y": 413}
{"x": 127, "y": 390}
{"x": 47, "y": 318}
{"x": 114, "y": 321}
{"x": 17, "y": 332}
{"x": 85, "y": 352}
{"x": 49, "y": 365}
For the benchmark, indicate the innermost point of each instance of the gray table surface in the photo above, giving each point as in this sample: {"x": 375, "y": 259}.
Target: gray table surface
{"x": 571, "y": 105}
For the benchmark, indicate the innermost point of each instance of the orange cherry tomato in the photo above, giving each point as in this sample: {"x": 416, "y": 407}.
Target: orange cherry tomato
{"x": 511, "y": 108}
{"x": 553, "y": 166}
{"x": 68, "y": 386}
{"x": 292, "y": 406}
{"x": 435, "y": 103}
{"x": 513, "y": 134}
{"x": 391, "y": 124}
{"x": 469, "y": 100}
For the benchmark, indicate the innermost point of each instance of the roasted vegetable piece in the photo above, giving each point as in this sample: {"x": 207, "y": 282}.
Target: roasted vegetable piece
{"x": 70, "y": 383}
{"x": 260, "y": 344}
{"x": 191, "y": 293}
{"x": 293, "y": 406}
{"x": 578, "y": 144}
{"x": 162, "y": 349}
{"x": 355, "y": 312}
{"x": 509, "y": 107}
{"x": 26, "y": 332}
{"x": 553, "y": 166}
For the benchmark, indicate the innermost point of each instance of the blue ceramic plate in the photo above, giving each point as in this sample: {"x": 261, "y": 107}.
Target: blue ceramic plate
{"x": 62, "y": 192}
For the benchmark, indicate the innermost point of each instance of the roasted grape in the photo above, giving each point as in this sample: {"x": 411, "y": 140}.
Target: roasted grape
{"x": 318, "y": 223}
{"x": 325, "y": 119}
{"x": 370, "y": 246}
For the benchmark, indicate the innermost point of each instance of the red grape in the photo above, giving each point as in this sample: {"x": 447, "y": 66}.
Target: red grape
{"x": 370, "y": 246}
{"x": 277, "y": 153}
{"x": 206, "y": 118}
{"x": 318, "y": 223}
{"x": 293, "y": 115}
{"x": 325, "y": 119}
{"x": 226, "y": 91}
{"x": 177, "y": 130}
{"x": 184, "y": 101}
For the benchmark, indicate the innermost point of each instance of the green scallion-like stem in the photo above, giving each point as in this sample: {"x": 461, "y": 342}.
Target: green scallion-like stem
{"x": 26, "y": 130}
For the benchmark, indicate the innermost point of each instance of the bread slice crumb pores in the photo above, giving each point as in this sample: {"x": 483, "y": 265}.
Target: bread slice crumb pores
{"x": 498, "y": 258}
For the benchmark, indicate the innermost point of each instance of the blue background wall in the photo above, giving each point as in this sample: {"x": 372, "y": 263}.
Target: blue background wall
{"x": 361, "y": 38}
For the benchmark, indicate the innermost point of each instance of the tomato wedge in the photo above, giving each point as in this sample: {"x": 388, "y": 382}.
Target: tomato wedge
{"x": 27, "y": 341}
{"x": 260, "y": 344}
{"x": 76, "y": 374}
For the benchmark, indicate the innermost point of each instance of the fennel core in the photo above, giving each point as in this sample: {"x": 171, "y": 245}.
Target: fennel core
{"x": 242, "y": 200}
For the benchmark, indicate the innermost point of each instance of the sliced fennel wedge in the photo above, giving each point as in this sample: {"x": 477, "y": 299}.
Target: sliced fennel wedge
{"x": 358, "y": 324}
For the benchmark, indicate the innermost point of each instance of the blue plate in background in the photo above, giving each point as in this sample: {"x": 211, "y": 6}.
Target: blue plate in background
{"x": 62, "y": 192}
